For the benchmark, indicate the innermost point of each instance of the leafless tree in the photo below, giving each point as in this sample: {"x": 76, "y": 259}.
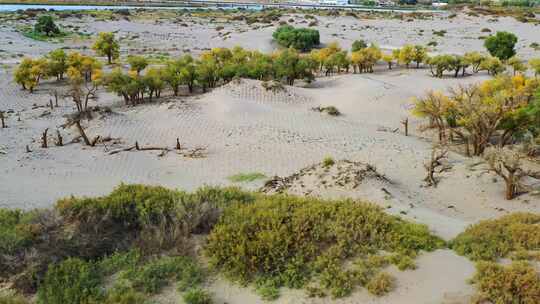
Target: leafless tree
{"x": 435, "y": 165}
{"x": 507, "y": 164}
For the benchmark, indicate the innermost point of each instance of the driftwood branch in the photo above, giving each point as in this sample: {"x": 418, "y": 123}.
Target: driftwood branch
{"x": 198, "y": 152}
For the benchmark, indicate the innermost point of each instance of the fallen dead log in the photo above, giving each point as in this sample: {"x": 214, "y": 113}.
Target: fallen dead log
{"x": 198, "y": 152}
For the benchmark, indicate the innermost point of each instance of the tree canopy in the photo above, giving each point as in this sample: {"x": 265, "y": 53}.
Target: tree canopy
{"x": 501, "y": 45}
{"x": 302, "y": 39}
{"x": 45, "y": 25}
{"x": 106, "y": 45}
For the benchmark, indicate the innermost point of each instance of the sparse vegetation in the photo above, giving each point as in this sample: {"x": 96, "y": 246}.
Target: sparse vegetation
{"x": 246, "y": 177}
{"x": 328, "y": 162}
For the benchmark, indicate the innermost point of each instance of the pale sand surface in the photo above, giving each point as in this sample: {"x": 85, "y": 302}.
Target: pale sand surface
{"x": 247, "y": 129}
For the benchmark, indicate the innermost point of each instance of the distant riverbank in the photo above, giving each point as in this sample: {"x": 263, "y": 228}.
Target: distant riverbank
{"x": 14, "y": 5}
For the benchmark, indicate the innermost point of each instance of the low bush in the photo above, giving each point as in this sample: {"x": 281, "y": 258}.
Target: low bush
{"x": 156, "y": 274}
{"x": 493, "y": 239}
{"x": 15, "y": 230}
{"x": 516, "y": 283}
{"x": 71, "y": 281}
{"x": 119, "y": 261}
{"x": 124, "y": 296}
{"x": 197, "y": 296}
{"x": 151, "y": 219}
{"x": 268, "y": 289}
{"x": 328, "y": 162}
{"x": 291, "y": 240}
{"x": 381, "y": 284}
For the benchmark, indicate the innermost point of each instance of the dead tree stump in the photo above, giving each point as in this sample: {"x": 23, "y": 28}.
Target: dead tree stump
{"x": 2, "y": 118}
{"x": 59, "y": 140}
{"x": 405, "y": 123}
{"x": 44, "y": 138}
{"x": 178, "y": 147}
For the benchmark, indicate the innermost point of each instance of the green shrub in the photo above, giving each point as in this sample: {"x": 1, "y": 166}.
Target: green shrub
{"x": 440, "y": 33}
{"x": 302, "y": 39}
{"x": 403, "y": 262}
{"x": 165, "y": 217}
{"x": 15, "y": 230}
{"x": 124, "y": 296}
{"x": 381, "y": 284}
{"x": 315, "y": 292}
{"x": 197, "y": 296}
{"x": 156, "y": 274}
{"x": 328, "y": 162}
{"x": 268, "y": 289}
{"x": 286, "y": 238}
{"x": 493, "y": 239}
{"x": 119, "y": 261}
{"x": 516, "y": 283}
{"x": 71, "y": 281}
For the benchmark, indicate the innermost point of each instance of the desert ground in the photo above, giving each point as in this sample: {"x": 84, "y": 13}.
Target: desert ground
{"x": 241, "y": 128}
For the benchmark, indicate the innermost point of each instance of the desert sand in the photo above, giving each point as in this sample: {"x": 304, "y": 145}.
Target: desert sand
{"x": 244, "y": 128}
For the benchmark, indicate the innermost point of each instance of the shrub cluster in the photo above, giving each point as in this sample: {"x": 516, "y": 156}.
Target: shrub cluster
{"x": 516, "y": 283}
{"x": 302, "y": 39}
{"x": 498, "y": 238}
{"x": 71, "y": 281}
{"x": 152, "y": 219}
{"x": 287, "y": 241}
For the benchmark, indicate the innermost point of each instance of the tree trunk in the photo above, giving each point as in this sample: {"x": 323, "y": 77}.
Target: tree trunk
{"x": 82, "y": 133}
{"x": 511, "y": 188}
